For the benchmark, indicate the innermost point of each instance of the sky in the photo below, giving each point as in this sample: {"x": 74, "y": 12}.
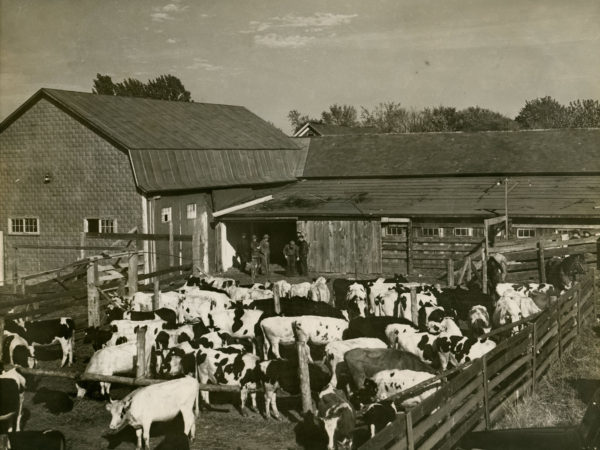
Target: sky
{"x": 274, "y": 56}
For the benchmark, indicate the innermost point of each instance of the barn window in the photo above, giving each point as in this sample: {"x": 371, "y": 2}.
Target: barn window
{"x": 432, "y": 232}
{"x": 24, "y": 225}
{"x": 100, "y": 225}
{"x": 395, "y": 230}
{"x": 463, "y": 232}
{"x": 525, "y": 232}
{"x": 191, "y": 211}
{"x": 165, "y": 215}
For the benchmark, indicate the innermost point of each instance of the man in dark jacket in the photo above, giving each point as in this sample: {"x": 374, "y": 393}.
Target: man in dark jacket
{"x": 244, "y": 251}
{"x": 265, "y": 254}
{"x": 290, "y": 251}
{"x": 303, "y": 247}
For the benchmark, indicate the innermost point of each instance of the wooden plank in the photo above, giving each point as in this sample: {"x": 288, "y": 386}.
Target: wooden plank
{"x": 302, "y": 350}
{"x": 496, "y": 413}
{"x": 184, "y": 268}
{"x": 410, "y": 439}
{"x": 450, "y": 272}
{"x": 395, "y": 431}
{"x": 508, "y": 371}
{"x": 542, "y": 263}
{"x": 140, "y": 367}
{"x": 138, "y": 236}
{"x": 462, "y": 430}
{"x": 486, "y": 392}
{"x": 550, "y": 359}
{"x": 409, "y": 252}
{"x": 93, "y": 305}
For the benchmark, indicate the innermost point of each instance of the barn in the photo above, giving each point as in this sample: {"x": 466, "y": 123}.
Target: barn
{"x": 74, "y": 162}
{"x": 404, "y": 203}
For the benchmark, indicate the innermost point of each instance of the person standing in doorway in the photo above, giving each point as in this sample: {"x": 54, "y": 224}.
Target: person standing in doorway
{"x": 265, "y": 254}
{"x": 255, "y": 253}
{"x": 244, "y": 252}
{"x": 303, "y": 247}
{"x": 290, "y": 251}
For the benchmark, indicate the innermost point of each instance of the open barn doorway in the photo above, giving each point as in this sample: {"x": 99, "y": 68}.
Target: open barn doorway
{"x": 280, "y": 233}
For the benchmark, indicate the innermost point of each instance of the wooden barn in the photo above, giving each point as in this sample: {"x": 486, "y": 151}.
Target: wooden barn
{"x": 74, "y": 162}
{"x": 400, "y": 203}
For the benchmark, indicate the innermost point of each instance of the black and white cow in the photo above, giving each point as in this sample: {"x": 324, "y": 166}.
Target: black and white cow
{"x": 31, "y": 439}
{"x": 378, "y": 415}
{"x": 15, "y": 350}
{"x": 114, "y": 312}
{"x": 12, "y": 387}
{"x": 296, "y": 306}
{"x": 47, "y": 332}
{"x": 126, "y": 330}
{"x": 338, "y": 418}
{"x": 335, "y": 351}
{"x": 283, "y": 374}
{"x": 156, "y": 403}
{"x": 388, "y": 382}
{"x": 237, "y": 323}
{"x": 373, "y": 327}
{"x": 456, "y": 350}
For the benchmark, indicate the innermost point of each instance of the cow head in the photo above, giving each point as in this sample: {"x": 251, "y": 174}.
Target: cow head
{"x": 118, "y": 410}
{"x": 357, "y": 300}
{"x": 508, "y": 310}
{"x": 479, "y": 320}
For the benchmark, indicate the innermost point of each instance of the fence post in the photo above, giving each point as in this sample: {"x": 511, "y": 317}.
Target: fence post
{"x": 484, "y": 274}
{"x": 15, "y": 269}
{"x": 171, "y": 245}
{"x": 486, "y": 393}
{"x": 595, "y": 292}
{"x": 23, "y": 286}
{"x": 414, "y": 305}
{"x": 558, "y": 308}
{"x": 276, "y": 302}
{"x": 140, "y": 368}
{"x": 156, "y": 297}
{"x": 469, "y": 273}
{"x": 303, "y": 374}
{"x": 533, "y": 356}
{"x": 132, "y": 272}
{"x": 82, "y": 243}
{"x": 541, "y": 262}
{"x": 450, "y": 272}
{"x": 1, "y": 336}
{"x": 93, "y": 296}
{"x": 578, "y": 294}
{"x": 409, "y": 247}
{"x": 410, "y": 438}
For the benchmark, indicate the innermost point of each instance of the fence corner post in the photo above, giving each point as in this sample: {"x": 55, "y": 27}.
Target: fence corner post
{"x": 578, "y": 296}
{"x": 1, "y": 336}
{"x": 140, "y": 369}
{"x": 132, "y": 273}
{"x": 541, "y": 261}
{"x": 93, "y": 296}
{"x": 410, "y": 436}
{"x": 484, "y": 274}
{"x": 156, "y": 297}
{"x": 302, "y": 347}
{"x": 486, "y": 393}
{"x": 276, "y": 301}
{"x": 414, "y": 305}
{"x": 450, "y": 272}
{"x": 533, "y": 356}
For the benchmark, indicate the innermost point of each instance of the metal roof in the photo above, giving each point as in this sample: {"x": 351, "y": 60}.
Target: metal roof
{"x": 534, "y": 196}
{"x": 432, "y": 154}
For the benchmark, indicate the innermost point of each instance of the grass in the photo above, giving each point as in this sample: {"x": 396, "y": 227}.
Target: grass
{"x": 561, "y": 397}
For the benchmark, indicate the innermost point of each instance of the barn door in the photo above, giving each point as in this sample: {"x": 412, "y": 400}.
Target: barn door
{"x": 394, "y": 245}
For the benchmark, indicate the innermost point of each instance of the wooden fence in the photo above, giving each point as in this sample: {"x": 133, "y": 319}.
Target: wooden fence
{"x": 474, "y": 395}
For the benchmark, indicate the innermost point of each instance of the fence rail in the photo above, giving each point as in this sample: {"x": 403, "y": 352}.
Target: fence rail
{"x": 474, "y": 396}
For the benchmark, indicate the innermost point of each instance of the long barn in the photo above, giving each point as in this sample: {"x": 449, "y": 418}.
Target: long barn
{"x": 398, "y": 203}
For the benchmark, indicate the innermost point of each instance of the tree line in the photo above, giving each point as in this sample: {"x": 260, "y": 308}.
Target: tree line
{"x": 392, "y": 117}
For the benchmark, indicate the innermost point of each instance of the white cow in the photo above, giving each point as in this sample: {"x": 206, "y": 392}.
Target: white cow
{"x": 356, "y": 299}
{"x": 142, "y": 301}
{"x": 319, "y": 330}
{"x": 300, "y": 289}
{"x": 157, "y": 403}
{"x": 282, "y": 288}
{"x": 389, "y": 382}
{"x": 511, "y": 308}
{"x": 319, "y": 292}
{"x": 335, "y": 351}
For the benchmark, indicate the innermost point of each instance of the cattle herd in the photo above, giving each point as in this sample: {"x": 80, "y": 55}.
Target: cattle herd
{"x": 365, "y": 347}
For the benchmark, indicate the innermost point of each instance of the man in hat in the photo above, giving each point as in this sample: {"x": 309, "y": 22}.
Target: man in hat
{"x": 255, "y": 252}
{"x": 303, "y": 247}
{"x": 290, "y": 251}
{"x": 265, "y": 254}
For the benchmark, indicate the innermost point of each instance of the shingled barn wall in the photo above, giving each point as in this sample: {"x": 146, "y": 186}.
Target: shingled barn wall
{"x": 90, "y": 178}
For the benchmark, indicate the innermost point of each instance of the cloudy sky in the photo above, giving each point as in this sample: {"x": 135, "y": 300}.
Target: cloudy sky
{"x": 275, "y": 55}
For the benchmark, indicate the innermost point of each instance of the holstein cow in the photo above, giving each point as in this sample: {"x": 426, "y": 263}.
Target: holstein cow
{"x": 460, "y": 301}
{"x": 178, "y": 360}
{"x": 338, "y": 418}
{"x": 335, "y": 351}
{"x": 47, "y": 332}
{"x": 426, "y": 296}
{"x": 283, "y": 374}
{"x": 562, "y": 272}
{"x": 238, "y": 323}
{"x": 15, "y": 350}
{"x": 115, "y": 312}
{"x": 12, "y": 387}
{"x": 292, "y": 307}
{"x": 479, "y": 320}
{"x": 142, "y": 301}
{"x": 157, "y": 403}
{"x": 420, "y": 344}
{"x": 230, "y": 366}
{"x": 373, "y": 327}
{"x": 169, "y": 338}
{"x": 300, "y": 290}
{"x": 378, "y": 415}
{"x": 319, "y": 292}
{"x": 435, "y": 320}
{"x": 320, "y": 330}
{"x": 282, "y": 288}
{"x": 110, "y": 361}
{"x": 511, "y": 308}
{"x": 542, "y": 294}
{"x": 456, "y": 350}
{"x": 386, "y": 383}
{"x": 356, "y": 300}
{"x": 363, "y": 363}
{"x": 29, "y": 440}
{"x": 126, "y": 330}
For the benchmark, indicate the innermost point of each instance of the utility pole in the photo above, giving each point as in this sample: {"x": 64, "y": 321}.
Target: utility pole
{"x": 506, "y": 206}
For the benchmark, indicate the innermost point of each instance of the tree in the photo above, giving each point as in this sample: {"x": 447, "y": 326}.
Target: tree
{"x": 584, "y": 113}
{"x": 388, "y": 117}
{"x": 164, "y": 87}
{"x": 343, "y": 115}
{"x": 297, "y": 120}
{"x": 103, "y": 84}
{"x": 440, "y": 118}
{"x": 543, "y": 112}
{"x": 475, "y": 118}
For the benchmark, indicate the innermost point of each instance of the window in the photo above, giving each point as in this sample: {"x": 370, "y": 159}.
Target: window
{"x": 525, "y": 232}
{"x": 191, "y": 211}
{"x": 24, "y": 225}
{"x": 463, "y": 232}
{"x": 165, "y": 215}
{"x": 395, "y": 230}
{"x": 432, "y": 232}
{"x": 100, "y": 225}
